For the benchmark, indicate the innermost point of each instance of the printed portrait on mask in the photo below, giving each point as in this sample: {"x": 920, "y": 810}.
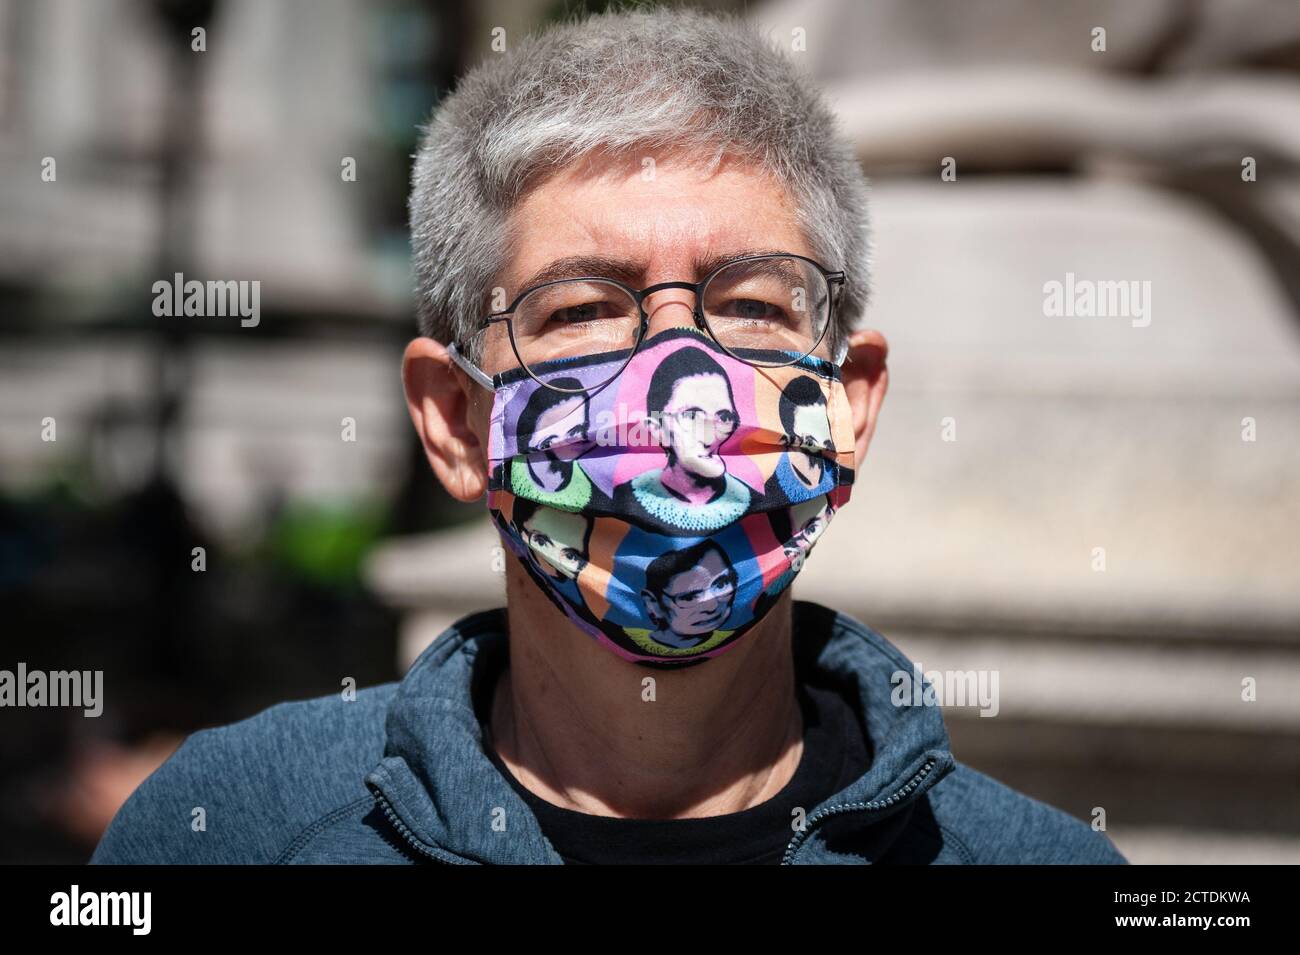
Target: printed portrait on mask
{"x": 675, "y": 596}
{"x": 553, "y": 432}
{"x": 689, "y": 594}
{"x": 690, "y": 410}
{"x": 796, "y": 529}
{"x": 556, "y": 543}
{"x": 804, "y": 470}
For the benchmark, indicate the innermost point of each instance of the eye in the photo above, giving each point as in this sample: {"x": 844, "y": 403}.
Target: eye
{"x": 750, "y": 310}
{"x": 587, "y": 312}
{"x": 722, "y": 584}
{"x": 571, "y": 554}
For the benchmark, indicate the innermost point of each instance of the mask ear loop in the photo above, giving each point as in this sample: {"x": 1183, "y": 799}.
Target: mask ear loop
{"x": 841, "y": 353}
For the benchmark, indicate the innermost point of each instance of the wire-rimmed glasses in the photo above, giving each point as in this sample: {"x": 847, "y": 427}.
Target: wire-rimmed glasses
{"x": 766, "y": 310}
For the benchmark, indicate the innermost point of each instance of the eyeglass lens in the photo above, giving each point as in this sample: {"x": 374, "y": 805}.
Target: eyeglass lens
{"x": 766, "y": 311}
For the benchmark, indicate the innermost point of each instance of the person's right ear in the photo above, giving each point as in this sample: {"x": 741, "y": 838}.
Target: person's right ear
{"x": 866, "y": 379}
{"x": 438, "y": 396}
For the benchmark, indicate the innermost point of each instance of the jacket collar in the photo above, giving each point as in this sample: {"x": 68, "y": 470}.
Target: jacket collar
{"x": 452, "y": 803}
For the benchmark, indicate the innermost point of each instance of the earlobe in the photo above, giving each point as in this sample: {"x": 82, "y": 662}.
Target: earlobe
{"x": 866, "y": 379}
{"x": 437, "y": 397}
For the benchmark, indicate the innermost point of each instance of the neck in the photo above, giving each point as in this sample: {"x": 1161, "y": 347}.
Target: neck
{"x": 691, "y": 487}
{"x": 576, "y": 725}
{"x": 805, "y": 471}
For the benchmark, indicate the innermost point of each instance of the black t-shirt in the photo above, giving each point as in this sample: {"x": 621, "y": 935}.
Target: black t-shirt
{"x": 835, "y": 754}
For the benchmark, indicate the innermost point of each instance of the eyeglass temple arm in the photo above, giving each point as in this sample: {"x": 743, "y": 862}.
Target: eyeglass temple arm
{"x": 841, "y": 352}
{"x": 469, "y": 367}
{"x": 842, "y": 349}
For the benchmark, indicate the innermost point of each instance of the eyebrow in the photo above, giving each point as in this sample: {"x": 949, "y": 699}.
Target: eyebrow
{"x": 628, "y": 271}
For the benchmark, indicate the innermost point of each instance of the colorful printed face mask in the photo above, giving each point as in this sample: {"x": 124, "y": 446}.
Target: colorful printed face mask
{"x": 667, "y": 511}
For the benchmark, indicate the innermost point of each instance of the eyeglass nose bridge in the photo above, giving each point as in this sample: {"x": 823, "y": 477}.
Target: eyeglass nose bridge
{"x": 697, "y": 310}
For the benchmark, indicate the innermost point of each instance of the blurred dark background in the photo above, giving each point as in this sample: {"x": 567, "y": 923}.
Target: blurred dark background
{"x": 328, "y": 559}
{"x": 180, "y": 433}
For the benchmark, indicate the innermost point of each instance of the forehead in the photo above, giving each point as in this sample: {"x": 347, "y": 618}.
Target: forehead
{"x": 805, "y": 511}
{"x": 812, "y": 416}
{"x": 710, "y": 563}
{"x": 560, "y": 412}
{"x": 700, "y": 387}
{"x": 560, "y": 525}
{"x": 665, "y": 218}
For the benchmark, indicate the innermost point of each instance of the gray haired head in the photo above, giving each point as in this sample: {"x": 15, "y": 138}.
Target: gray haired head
{"x": 622, "y": 82}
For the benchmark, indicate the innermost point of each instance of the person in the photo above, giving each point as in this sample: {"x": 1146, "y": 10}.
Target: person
{"x": 518, "y": 736}
{"x": 554, "y": 432}
{"x": 556, "y": 543}
{"x": 689, "y": 594}
{"x": 691, "y": 410}
{"x": 797, "y": 528}
{"x": 802, "y": 474}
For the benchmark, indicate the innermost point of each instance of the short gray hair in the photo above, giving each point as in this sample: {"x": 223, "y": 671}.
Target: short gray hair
{"x": 622, "y": 82}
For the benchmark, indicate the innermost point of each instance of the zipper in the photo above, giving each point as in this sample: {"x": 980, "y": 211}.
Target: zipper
{"x": 405, "y": 832}
{"x": 872, "y": 806}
